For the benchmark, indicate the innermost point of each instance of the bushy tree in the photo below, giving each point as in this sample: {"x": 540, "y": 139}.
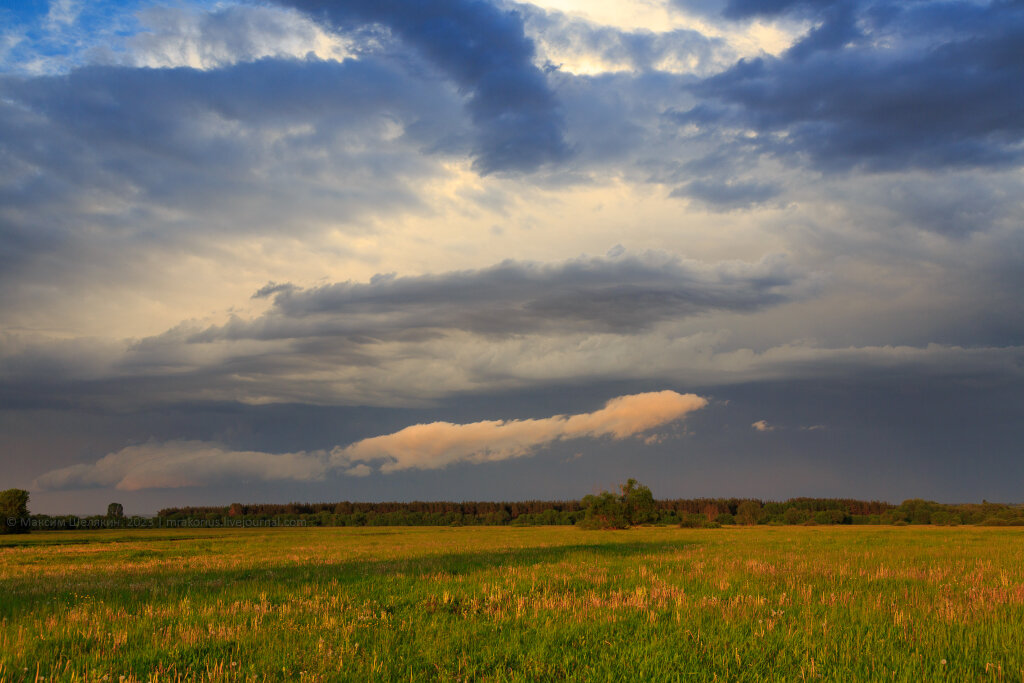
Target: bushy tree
{"x": 14, "y": 511}
{"x": 945, "y": 518}
{"x": 749, "y": 512}
{"x": 794, "y": 516}
{"x": 639, "y": 502}
{"x": 634, "y": 505}
{"x": 115, "y": 511}
{"x": 604, "y": 511}
{"x": 917, "y": 511}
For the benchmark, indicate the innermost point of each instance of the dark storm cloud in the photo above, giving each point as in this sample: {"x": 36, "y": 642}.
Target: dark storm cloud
{"x": 623, "y": 295}
{"x": 108, "y": 158}
{"x": 743, "y": 9}
{"x": 881, "y": 86}
{"x": 485, "y": 51}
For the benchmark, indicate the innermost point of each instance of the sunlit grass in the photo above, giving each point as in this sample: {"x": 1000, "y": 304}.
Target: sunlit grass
{"x": 498, "y": 603}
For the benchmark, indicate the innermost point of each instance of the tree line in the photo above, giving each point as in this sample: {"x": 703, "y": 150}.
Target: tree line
{"x": 633, "y": 504}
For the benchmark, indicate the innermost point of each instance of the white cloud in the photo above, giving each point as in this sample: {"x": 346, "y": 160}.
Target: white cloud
{"x": 62, "y": 13}
{"x": 763, "y": 426}
{"x": 173, "y": 37}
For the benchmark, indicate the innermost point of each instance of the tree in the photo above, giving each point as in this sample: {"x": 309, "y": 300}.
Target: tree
{"x": 604, "y": 511}
{"x": 14, "y": 511}
{"x": 639, "y": 502}
{"x": 115, "y": 511}
{"x": 634, "y": 505}
{"x": 749, "y": 512}
{"x": 794, "y": 516}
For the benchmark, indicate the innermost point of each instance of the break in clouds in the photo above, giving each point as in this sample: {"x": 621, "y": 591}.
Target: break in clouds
{"x": 178, "y": 464}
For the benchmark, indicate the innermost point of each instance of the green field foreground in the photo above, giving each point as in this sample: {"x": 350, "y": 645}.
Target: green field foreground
{"x": 505, "y": 603}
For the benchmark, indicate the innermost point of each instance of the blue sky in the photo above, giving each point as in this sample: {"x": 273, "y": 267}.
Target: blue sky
{"x": 492, "y": 250}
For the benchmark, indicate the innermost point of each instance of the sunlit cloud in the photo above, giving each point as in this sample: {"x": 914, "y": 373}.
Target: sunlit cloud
{"x": 440, "y": 444}
{"x": 179, "y": 464}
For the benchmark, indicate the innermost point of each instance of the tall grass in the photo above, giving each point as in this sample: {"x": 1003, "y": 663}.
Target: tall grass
{"x": 498, "y": 603}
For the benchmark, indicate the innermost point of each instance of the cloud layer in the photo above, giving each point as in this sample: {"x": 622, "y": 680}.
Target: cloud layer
{"x": 624, "y": 294}
{"x": 179, "y": 464}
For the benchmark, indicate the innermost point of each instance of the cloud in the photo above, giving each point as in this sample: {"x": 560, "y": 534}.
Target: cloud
{"x": 625, "y": 294}
{"x": 745, "y": 9}
{"x": 110, "y": 173}
{"x": 418, "y": 370}
{"x": 763, "y": 426}
{"x": 881, "y": 86}
{"x": 728, "y": 195}
{"x": 484, "y": 50}
{"x": 176, "y": 36}
{"x": 580, "y": 46}
{"x": 440, "y": 444}
{"x": 179, "y": 464}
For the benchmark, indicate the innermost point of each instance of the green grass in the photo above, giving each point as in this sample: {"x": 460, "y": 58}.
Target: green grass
{"x": 497, "y": 603}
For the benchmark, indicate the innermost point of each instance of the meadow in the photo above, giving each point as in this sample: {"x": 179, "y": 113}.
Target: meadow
{"x": 510, "y": 604}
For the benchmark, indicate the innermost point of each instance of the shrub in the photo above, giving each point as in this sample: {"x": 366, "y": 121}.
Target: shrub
{"x": 697, "y": 521}
{"x": 945, "y": 518}
{"x": 794, "y": 516}
{"x": 14, "y": 511}
{"x": 634, "y": 505}
{"x": 605, "y": 511}
{"x": 749, "y": 512}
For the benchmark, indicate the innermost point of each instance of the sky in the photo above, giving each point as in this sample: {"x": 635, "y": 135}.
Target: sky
{"x": 316, "y": 250}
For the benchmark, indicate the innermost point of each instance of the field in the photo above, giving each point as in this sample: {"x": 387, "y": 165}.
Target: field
{"x": 550, "y": 603}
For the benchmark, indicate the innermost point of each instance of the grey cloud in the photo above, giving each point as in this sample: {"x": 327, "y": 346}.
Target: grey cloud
{"x": 485, "y": 51}
{"x": 272, "y": 288}
{"x": 403, "y": 339}
{"x": 941, "y": 91}
{"x": 623, "y": 295}
{"x": 742, "y": 9}
{"x": 617, "y": 118}
{"x": 729, "y": 194}
{"x": 837, "y": 29}
{"x": 102, "y": 164}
